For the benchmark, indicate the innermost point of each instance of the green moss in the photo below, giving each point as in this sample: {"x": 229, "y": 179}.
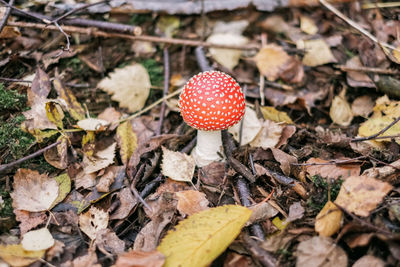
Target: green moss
{"x": 11, "y": 100}
{"x": 155, "y": 70}
{"x": 139, "y": 19}
{"x": 13, "y": 139}
{"x": 6, "y": 209}
{"x": 321, "y": 190}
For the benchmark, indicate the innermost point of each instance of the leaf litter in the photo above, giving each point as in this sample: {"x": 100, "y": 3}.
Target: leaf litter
{"x": 113, "y": 179}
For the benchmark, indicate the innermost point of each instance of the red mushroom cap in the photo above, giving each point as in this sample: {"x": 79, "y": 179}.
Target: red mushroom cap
{"x": 212, "y": 101}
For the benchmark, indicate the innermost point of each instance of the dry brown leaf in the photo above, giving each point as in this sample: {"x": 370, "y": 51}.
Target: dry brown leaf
{"x": 29, "y": 220}
{"x": 287, "y": 132}
{"x": 35, "y": 240}
{"x": 357, "y": 78}
{"x": 100, "y": 160}
{"x": 251, "y": 127}
{"x": 271, "y": 61}
{"x": 361, "y": 195}
{"x": 328, "y": 220}
{"x": 296, "y": 211}
{"x": 382, "y": 172}
{"x": 111, "y": 115}
{"x": 213, "y": 173}
{"x": 85, "y": 180}
{"x": 362, "y": 106}
{"x": 320, "y": 251}
{"x": 285, "y": 160}
{"x": 269, "y": 135}
{"x": 92, "y": 124}
{"x": 33, "y": 191}
{"x": 340, "y": 111}
{"x": 136, "y": 258}
{"x": 191, "y": 201}
{"x": 369, "y": 261}
{"x": 109, "y": 243}
{"x": 92, "y": 221}
{"x": 40, "y": 87}
{"x": 130, "y": 86}
{"x": 87, "y": 260}
{"x": 36, "y": 117}
{"x": 107, "y": 179}
{"x": 55, "y": 251}
{"x": 228, "y": 58}
{"x": 177, "y": 166}
{"x": 317, "y": 52}
{"x": 57, "y": 156}
{"x": 127, "y": 203}
{"x": 261, "y": 212}
{"x": 334, "y": 171}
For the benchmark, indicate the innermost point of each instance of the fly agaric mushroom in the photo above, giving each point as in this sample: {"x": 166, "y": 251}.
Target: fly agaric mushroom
{"x": 211, "y": 101}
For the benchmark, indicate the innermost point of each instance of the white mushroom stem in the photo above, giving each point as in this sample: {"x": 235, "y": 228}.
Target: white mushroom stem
{"x": 208, "y": 147}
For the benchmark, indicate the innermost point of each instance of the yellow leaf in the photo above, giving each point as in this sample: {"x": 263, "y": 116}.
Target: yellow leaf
{"x": 374, "y": 125}
{"x": 202, "y": 237}
{"x": 317, "y": 52}
{"x": 281, "y": 225}
{"x": 127, "y": 141}
{"x": 328, "y": 220}
{"x": 16, "y": 255}
{"x": 340, "y": 111}
{"x": 55, "y": 114}
{"x": 64, "y": 187}
{"x": 271, "y": 113}
{"x": 307, "y": 25}
{"x": 271, "y": 61}
{"x": 74, "y": 107}
{"x": 168, "y": 25}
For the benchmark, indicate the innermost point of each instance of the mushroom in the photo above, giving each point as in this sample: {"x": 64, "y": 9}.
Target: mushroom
{"x": 211, "y": 101}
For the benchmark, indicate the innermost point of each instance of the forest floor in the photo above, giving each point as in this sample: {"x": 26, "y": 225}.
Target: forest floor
{"x": 95, "y": 165}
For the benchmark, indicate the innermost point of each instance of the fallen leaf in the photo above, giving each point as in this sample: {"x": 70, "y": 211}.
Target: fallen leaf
{"x": 260, "y": 212}
{"x": 328, "y": 220}
{"x": 100, "y": 160}
{"x": 127, "y": 202}
{"x": 29, "y": 220}
{"x": 362, "y": 106}
{"x": 271, "y": 61}
{"x": 64, "y": 187}
{"x": 33, "y": 191}
{"x": 167, "y": 25}
{"x": 320, "y": 251}
{"x": 177, "y": 166}
{"x": 382, "y": 172}
{"x": 340, "y": 111}
{"x": 92, "y": 124}
{"x": 55, "y": 113}
{"x": 36, "y": 117}
{"x": 287, "y": 132}
{"x": 269, "y": 135}
{"x": 357, "y": 78}
{"x": 369, "y": 261}
{"x": 285, "y": 160}
{"x": 375, "y": 125}
{"x": 90, "y": 259}
{"x": 334, "y": 171}
{"x": 127, "y": 141}
{"x": 37, "y": 240}
{"x": 296, "y": 211}
{"x": 55, "y": 251}
{"x": 130, "y": 86}
{"x": 307, "y": 25}
{"x": 9, "y": 32}
{"x": 317, "y": 52}
{"x": 74, "y": 107}
{"x": 271, "y": 113}
{"x": 16, "y": 255}
{"x": 92, "y": 221}
{"x": 202, "y": 237}
{"x": 40, "y": 87}
{"x": 228, "y": 58}
{"x": 109, "y": 243}
{"x": 111, "y": 115}
{"x": 251, "y": 127}
{"x": 135, "y": 258}
{"x": 191, "y": 202}
{"x": 58, "y": 155}
{"x": 360, "y": 195}
{"x": 85, "y": 180}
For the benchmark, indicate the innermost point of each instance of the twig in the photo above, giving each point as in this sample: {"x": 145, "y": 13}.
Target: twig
{"x": 355, "y": 25}
{"x": 77, "y": 10}
{"x": 14, "y": 80}
{"x": 367, "y": 69}
{"x": 286, "y": 180}
{"x": 380, "y": 5}
{"x": 165, "y": 92}
{"x": 149, "y": 107}
{"x": 148, "y": 38}
{"x": 377, "y": 134}
{"x": 3, "y": 21}
{"x": 201, "y": 59}
{"x": 19, "y": 161}
{"x": 331, "y": 162}
{"x": 265, "y": 258}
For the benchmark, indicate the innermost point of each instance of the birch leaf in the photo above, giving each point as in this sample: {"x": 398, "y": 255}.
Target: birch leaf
{"x": 74, "y": 107}
{"x": 328, "y": 220}
{"x": 37, "y": 240}
{"x": 129, "y": 86}
{"x": 127, "y": 141}
{"x": 177, "y": 166}
{"x": 92, "y": 221}
{"x": 202, "y": 237}
{"x": 100, "y": 160}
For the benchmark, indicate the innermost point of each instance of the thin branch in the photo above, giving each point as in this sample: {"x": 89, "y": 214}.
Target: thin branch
{"x": 332, "y": 162}
{"x": 14, "y": 80}
{"x": 3, "y": 21}
{"x": 77, "y": 10}
{"x": 377, "y": 134}
{"x": 148, "y": 38}
{"x": 165, "y": 92}
{"x": 367, "y": 69}
{"x": 355, "y": 25}
{"x": 31, "y": 156}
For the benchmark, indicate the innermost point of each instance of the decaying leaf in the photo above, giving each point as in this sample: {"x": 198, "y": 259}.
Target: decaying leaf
{"x": 317, "y": 52}
{"x": 335, "y": 171}
{"x": 285, "y": 160}
{"x": 135, "y": 258}
{"x": 109, "y": 243}
{"x": 130, "y": 86}
{"x": 328, "y": 220}
{"x": 177, "y": 166}
{"x": 64, "y": 187}
{"x": 271, "y": 61}
{"x": 40, "y": 87}
{"x": 228, "y": 58}
{"x": 269, "y": 135}
{"x": 191, "y": 201}
{"x": 200, "y": 238}
{"x": 127, "y": 141}
{"x": 57, "y": 156}
{"x": 362, "y": 106}
{"x": 55, "y": 113}
{"x": 357, "y": 78}
{"x": 36, "y": 117}
{"x": 340, "y": 111}
{"x": 251, "y": 127}
{"x": 127, "y": 202}
{"x": 360, "y": 194}
{"x": 375, "y": 125}
{"x": 100, "y": 160}
{"x": 271, "y": 113}
{"x": 74, "y": 107}
{"x": 92, "y": 221}
{"x": 16, "y": 255}
{"x": 29, "y": 220}
{"x": 320, "y": 251}
{"x": 92, "y": 124}
{"x": 369, "y": 261}
{"x": 37, "y": 240}
{"x": 33, "y": 191}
